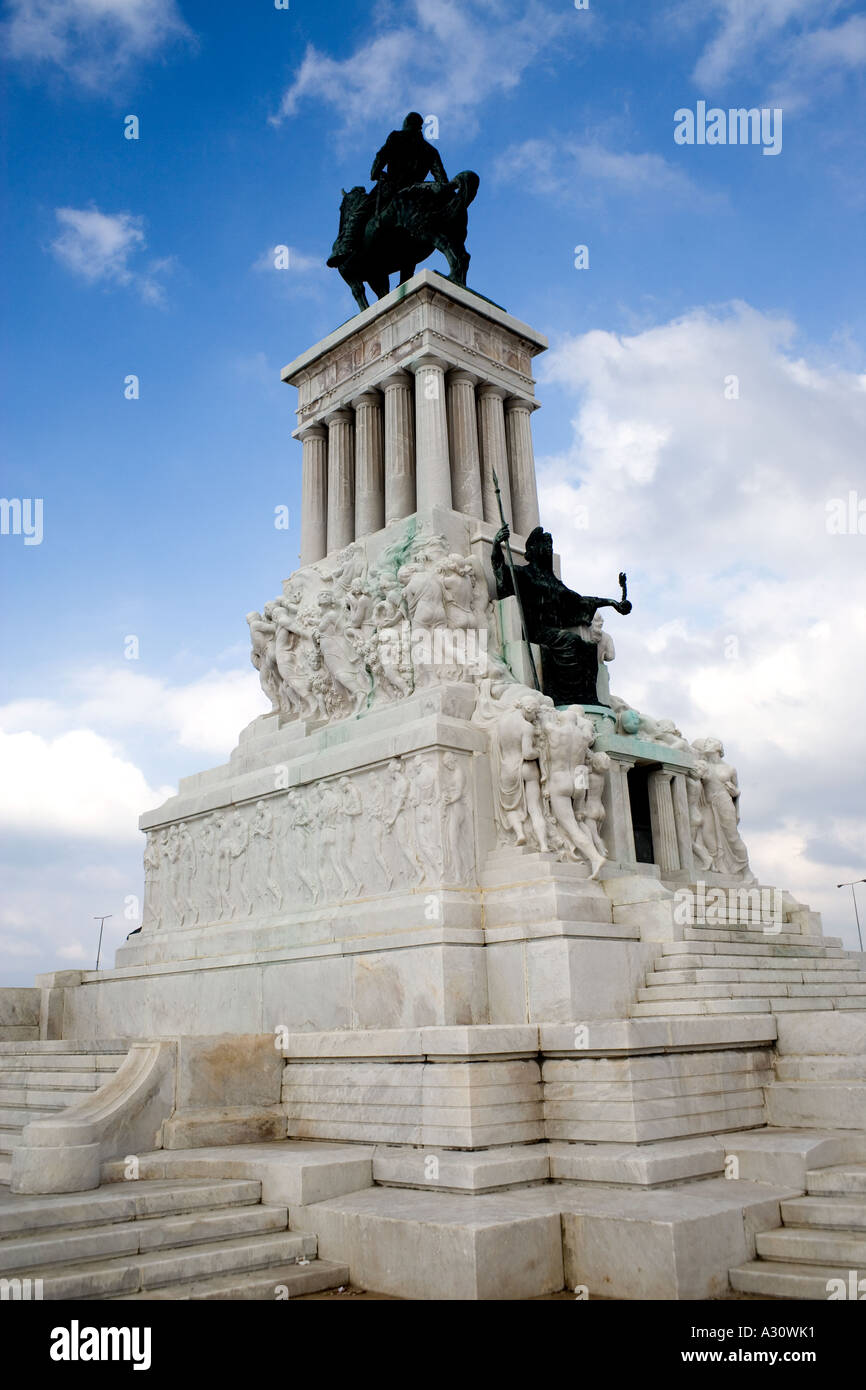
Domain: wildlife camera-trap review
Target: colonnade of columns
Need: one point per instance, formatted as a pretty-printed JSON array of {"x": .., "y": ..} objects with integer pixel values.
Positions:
[{"x": 432, "y": 436}]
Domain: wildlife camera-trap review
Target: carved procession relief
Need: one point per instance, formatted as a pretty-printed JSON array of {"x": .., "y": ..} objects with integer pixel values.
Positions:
[
  {"x": 403, "y": 825},
  {"x": 347, "y": 635}
]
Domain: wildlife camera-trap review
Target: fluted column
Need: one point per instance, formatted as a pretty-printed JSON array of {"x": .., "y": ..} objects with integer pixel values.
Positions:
[
  {"x": 494, "y": 456},
  {"x": 681, "y": 818},
  {"x": 314, "y": 494},
  {"x": 369, "y": 465},
  {"x": 463, "y": 445},
  {"x": 399, "y": 447},
  {"x": 619, "y": 835},
  {"x": 432, "y": 466},
  {"x": 521, "y": 464},
  {"x": 341, "y": 479},
  {"x": 665, "y": 848}
]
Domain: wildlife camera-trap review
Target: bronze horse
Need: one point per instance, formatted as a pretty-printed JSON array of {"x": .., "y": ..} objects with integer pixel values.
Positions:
[{"x": 415, "y": 222}]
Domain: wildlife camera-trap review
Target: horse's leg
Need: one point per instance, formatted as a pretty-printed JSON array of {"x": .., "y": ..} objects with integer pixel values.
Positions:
[
  {"x": 379, "y": 283},
  {"x": 357, "y": 288},
  {"x": 406, "y": 272},
  {"x": 458, "y": 260}
]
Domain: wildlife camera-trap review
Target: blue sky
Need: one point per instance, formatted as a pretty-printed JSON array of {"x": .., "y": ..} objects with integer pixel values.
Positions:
[{"x": 151, "y": 257}]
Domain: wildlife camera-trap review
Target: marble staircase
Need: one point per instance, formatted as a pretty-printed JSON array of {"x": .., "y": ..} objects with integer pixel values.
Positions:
[
  {"x": 39, "y": 1079},
  {"x": 822, "y": 1239},
  {"x": 747, "y": 969},
  {"x": 206, "y": 1238}
]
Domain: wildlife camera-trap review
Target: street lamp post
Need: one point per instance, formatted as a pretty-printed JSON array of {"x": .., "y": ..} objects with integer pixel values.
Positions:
[{"x": 854, "y": 896}]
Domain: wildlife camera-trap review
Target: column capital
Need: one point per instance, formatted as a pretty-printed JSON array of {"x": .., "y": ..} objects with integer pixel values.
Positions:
[
  {"x": 461, "y": 374},
  {"x": 369, "y": 396},
  {"x": 394, "y": 379},
  {"x": 314, "y": 431},
  {"x": 488, "y": 388},
  {"x": 426, "y": 361},
  {"x": 520, "y": 403},
  {"x": 342, "y": 416}
]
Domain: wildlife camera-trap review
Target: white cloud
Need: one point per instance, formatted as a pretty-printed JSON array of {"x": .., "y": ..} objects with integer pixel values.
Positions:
[
  {"x": 203, "y": 716},
  {"x": 443, "y": 58},
  {"x": 569, "y": 171},
  {"x": 99, "y": 246},
  {"x": 750, "y": 618},
  {"x": 77, "y": 784},
  {"x": 799, "y": 44},
  {"x": 94, "y": 42},
  {"x": 72, "y": 787}
]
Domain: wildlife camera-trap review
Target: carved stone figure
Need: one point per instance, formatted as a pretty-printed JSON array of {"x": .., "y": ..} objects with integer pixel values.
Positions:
[
  {"x": 398, "y": 820},
  {"x": 352, "y": 808},
  {"x": 206, "y": 876},
  {"x": 332, "y": 859},
  {"x": 567, "y": 739},
  {"x": 262, "y": 655},
  {"x": 700, "y": 816},
  {"x": 721, "y": 794},
  {"x": 264, "y": 877},
  {"x": 603, "y": 643},
  {"x": 459, "y": 834},
  {"x": 150, "y": 912},
  {"x": 374, "y": 805},
  {"x": 240, "y": 896},
  {"x": 186, "y": 866},
  {"x": 592, "y": 813},
  {"x": 299, "y": 859},
  {"x": 424, "y": 799},
  {"x": 344, "y": 663},
  {"x": 514, "y": 759}
]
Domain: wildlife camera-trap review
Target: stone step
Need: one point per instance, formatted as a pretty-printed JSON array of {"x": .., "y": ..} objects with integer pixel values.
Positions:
[
  {"x": 127, "y": 1201},
  {"x": 283, "y": 1281},
  {"x": 766, "y": 946},
  {"x": 772, "y": 1279},
  {"x": 672, "y": 1008},
  {"x": 755, "y": 974},
  {"x": 13, "y": 1117},
  {"x": 817, "y": 1104},
  {"x": 748, "y": 935},
  {"x": 821, "y": 1068},
  {"x": 48, "y": 1097},
  {"x": 750, "y": 990},
  {"x": 843, "y": 1178},
  {"x": 759, "y": 961},
  {"x": 827, "y": 1213},
  {"x": 803, "y": 1245},
  {"x": 86, "y": 1063},
  {"x": 68, "y": 1047},
  {"x": 128, "y": 1274},
  {"x": 70, "y": 1245},
  {"x": 10, "y": 1139},
  {"x": 82, "y": 1081}
]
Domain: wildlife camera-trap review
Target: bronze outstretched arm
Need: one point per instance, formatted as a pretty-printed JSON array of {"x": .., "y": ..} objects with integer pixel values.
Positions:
[{"x": 622, "y": 605}]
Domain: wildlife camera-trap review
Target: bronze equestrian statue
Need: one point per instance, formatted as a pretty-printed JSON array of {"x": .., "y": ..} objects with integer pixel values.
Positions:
[{"x": 405, "y": 218}]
